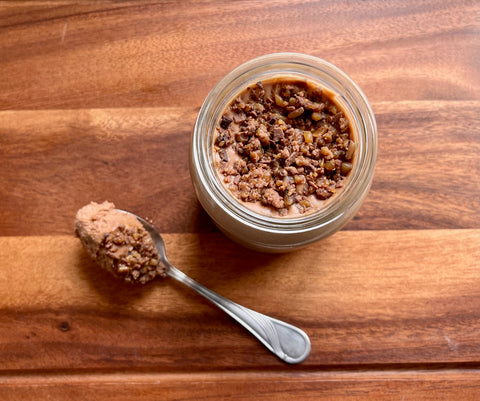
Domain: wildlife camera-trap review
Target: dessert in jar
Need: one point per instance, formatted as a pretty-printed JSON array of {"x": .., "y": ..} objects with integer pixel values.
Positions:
[
  {"x": 283, "y": 151},
  {"x": 284, "y": 147}
]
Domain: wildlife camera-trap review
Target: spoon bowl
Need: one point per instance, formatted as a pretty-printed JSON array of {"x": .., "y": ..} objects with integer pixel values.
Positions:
[{"x": 287, "y": 342}]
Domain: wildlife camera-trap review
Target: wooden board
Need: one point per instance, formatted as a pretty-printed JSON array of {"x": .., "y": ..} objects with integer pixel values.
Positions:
[
  {"x": 411, "y": 298},
  {"x": 57, "y": 163},
  {"x": 130, "y": 54},
  {"x": 98, "y": 101},
  {"x": 430, "y": 385}
]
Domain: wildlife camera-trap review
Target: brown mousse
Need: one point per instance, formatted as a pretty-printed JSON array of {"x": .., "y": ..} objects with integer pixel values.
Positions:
[
  {"x": 118, "y": 242},
  {"x": 284, "y": 146}
]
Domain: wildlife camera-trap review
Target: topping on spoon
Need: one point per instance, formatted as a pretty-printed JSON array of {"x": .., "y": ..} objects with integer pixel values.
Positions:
[{"x": 118, "y": 242}]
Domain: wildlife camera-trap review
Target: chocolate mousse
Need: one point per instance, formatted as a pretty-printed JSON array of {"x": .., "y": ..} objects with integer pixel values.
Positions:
[
  {"x": 284, "y": 147},
  {"x": 118, "y": 242}
]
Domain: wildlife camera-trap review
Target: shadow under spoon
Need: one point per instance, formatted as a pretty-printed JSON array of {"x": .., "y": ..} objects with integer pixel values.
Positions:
[{"x": 287, "y": 342}]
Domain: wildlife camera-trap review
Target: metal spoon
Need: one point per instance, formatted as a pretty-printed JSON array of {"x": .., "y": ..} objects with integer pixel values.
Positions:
[{"x": 288, "y": 342}]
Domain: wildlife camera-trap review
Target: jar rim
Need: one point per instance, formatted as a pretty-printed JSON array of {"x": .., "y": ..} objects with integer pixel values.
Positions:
[{"x": 318, "y": 71}]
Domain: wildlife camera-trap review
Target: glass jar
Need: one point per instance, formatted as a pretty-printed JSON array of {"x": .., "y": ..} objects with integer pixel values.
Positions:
[{"x": 280, "y": 234}]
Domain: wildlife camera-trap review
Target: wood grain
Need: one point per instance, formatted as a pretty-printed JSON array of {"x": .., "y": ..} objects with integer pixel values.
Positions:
[
  {"x": 130, "y": 54},
  {"x": 388, "y": 386},
  {"x": 412, "y": 298},
  {"x": 67, "y": 158}
]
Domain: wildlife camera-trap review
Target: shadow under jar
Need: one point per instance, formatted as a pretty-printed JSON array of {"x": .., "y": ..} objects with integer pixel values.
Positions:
[{"x": 257, "y": 221}]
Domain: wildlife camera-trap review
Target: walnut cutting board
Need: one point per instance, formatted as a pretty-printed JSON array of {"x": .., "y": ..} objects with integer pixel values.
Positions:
[{"x": 98, "y": 101}]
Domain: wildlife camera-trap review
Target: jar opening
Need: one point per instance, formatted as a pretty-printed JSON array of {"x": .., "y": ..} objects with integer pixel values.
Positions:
[{"x": 305, "y": 68}]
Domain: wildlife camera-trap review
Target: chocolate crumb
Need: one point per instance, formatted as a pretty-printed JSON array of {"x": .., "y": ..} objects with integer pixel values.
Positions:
[{"x": 225, "y": 122}]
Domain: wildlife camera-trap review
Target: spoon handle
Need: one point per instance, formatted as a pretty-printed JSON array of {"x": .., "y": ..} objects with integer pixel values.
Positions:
[{"x": 288, "y": 342}]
